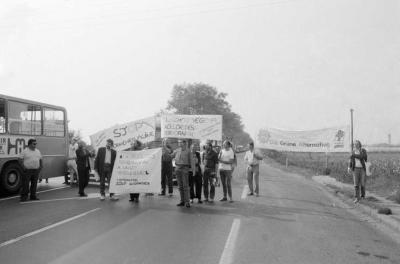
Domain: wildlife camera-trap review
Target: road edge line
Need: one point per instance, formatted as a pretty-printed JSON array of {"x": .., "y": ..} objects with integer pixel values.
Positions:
[{"x": 227, "y": 254}]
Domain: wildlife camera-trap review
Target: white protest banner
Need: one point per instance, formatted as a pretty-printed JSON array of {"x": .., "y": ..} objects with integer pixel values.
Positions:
[
  {"x": 323, "y": 140},
  {"x": 123, "y": 135},
  {"x": 137, "y": 172},
  {"x": 192, "y": 126}
]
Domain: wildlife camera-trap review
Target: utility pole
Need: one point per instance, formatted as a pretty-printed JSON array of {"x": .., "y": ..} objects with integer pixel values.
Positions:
[{"x": 351, "y": 117}]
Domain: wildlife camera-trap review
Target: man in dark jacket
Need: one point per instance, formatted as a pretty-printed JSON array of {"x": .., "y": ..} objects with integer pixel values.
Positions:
[
  {"x": 104, "y": 164},
  {"x": 83, "y": 165}
]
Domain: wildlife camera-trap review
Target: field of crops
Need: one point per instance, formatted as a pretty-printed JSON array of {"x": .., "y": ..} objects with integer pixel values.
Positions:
[{"x": 385, "y": 179}]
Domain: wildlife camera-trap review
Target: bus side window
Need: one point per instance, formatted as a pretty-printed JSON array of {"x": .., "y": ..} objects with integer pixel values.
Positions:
[{"x": 2, "y": 116}]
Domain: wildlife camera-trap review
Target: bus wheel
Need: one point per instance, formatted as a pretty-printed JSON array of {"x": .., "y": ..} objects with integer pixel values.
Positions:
[{"x": 11, "y": 178}]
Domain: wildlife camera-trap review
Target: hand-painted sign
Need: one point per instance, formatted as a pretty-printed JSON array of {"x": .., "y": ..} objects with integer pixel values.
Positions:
[
  {"x": 324, "y": 140},
  {"x": 137, "y": 172},
  {"x": 192, "y": 126},
  {"x": 123, "y": 135}
]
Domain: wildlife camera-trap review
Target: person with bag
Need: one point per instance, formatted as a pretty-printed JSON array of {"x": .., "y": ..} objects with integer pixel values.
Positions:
[{"x": 357, "y": 165}]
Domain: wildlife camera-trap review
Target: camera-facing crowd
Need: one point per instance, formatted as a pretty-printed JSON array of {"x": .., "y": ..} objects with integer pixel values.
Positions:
[{"x": 198, "y": 171}]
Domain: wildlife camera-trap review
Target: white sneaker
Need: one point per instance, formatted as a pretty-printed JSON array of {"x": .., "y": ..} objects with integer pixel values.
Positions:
[
  {"x": 114, "y": 198},
  {"x": 102, "y": 198},
  {"x": 356, "y": 200}
]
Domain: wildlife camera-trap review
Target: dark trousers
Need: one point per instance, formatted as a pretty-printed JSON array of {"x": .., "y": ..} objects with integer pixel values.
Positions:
[
  {"x": 195, "y": 183},
  {"x": 29, "y": 176},
  {"x": 166, "y": 177},
  {"x": 83, "y": 175},
  {"x": 134, "y": 196},
  {"x": 106, "y": 174},
  {"x": 209, "y": 175}
]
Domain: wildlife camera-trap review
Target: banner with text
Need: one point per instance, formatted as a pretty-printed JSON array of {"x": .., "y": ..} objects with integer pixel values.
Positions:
[
  {"x": 137, "y": 172},
  {"x": 323, "y": 140},
  {"x": 123, "y": 135},
  {"x": 192, "y": 126}
]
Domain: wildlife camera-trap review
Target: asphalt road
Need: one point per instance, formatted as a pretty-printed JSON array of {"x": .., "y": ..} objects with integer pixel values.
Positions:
[{"x": 292, "y": 221}]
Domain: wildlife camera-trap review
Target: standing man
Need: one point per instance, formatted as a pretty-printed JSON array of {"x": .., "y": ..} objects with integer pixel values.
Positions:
[
  {"x": 183, "y": 161},
  {"x": 166, "y": 169},
  {"x": 82, "y": 161},
  {"x": 210, "y": 160},
  {"x": 31, "y": 162},
  {"x": 104, "y": 164},
  {"x": 252, "y": 160}
]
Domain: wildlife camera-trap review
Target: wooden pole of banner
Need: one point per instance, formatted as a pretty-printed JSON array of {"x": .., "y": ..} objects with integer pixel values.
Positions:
[{"x": 351, "y": 118}]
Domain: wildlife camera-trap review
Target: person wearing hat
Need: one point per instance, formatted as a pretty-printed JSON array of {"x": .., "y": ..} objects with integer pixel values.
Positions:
[{"x": 103, "y": 165}]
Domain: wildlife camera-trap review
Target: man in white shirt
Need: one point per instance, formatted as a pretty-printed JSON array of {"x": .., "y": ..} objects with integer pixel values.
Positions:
[
  {"x": 252, "y": 160},
  {"x": 30, "y": 160}
]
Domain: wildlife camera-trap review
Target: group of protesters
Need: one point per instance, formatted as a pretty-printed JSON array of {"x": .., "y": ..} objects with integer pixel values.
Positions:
[{"x": 194, "y": 169}]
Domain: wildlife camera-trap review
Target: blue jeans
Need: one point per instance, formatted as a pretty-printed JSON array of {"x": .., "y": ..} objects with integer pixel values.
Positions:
[
  {"x": 182, "y": 176},
  {"x": 226, "y": 178}
]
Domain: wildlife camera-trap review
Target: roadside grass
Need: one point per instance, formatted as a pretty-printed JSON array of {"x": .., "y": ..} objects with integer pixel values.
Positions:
[{"x": 385, "y": 179}]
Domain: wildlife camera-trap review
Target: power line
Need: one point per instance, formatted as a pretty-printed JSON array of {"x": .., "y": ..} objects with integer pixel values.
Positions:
[{"x": 67, "y": 22}]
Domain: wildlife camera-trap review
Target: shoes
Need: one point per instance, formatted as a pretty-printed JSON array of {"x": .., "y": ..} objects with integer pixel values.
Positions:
[
  {"x": 187, "y": 205},
  {"x": 180, "y": 204},
  {"x": 114, "y": 198},
  {"x": 191, "y": 200},
  {"x": 250, "y": 193},
  {"x": 231, "y": 201},
  {"x": 135, "y": 200},
  {"x": 256, "y": 194},
  {"x": 200, "y": 201},
  {"x": 206, "y": 200},
  {"x": 356, "y": 200},
  {"x": 47, "y": 180},
  {"x": 223, "y": 199},
  {"x": 82, "y": 194},
  {"x": 102, "y": 197},
  {"x": 170, "y": 195},
  {"x": 161, "y": 194},
  {"x": 211, "y": 200},
  {"x": 34, "y": 198}
]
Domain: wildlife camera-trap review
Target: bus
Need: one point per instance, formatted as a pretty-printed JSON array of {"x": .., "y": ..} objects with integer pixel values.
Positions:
[{"x": 22, "y": 119}]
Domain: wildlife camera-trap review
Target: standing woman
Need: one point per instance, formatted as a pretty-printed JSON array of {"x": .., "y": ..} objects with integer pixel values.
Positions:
[
  {"x": 226, "y": 159},
  {"x": 357, "y": 166}
]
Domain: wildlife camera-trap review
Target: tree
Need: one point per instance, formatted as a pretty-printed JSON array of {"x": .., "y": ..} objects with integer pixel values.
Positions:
[{"x": 203, "y": 99}]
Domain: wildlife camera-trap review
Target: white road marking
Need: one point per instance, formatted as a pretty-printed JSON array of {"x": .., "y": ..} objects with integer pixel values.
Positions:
[
  {"x": 54, "y": 189},
  {"x": 227, "y": 254},
  {"x": 14, "y": 240},
  {"x": 90, "y": 196},
  {"x": 245, "y": 190}
]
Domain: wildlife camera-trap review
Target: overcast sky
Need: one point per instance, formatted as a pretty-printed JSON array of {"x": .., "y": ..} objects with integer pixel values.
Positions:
[{"x": 294, "y": 65}]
